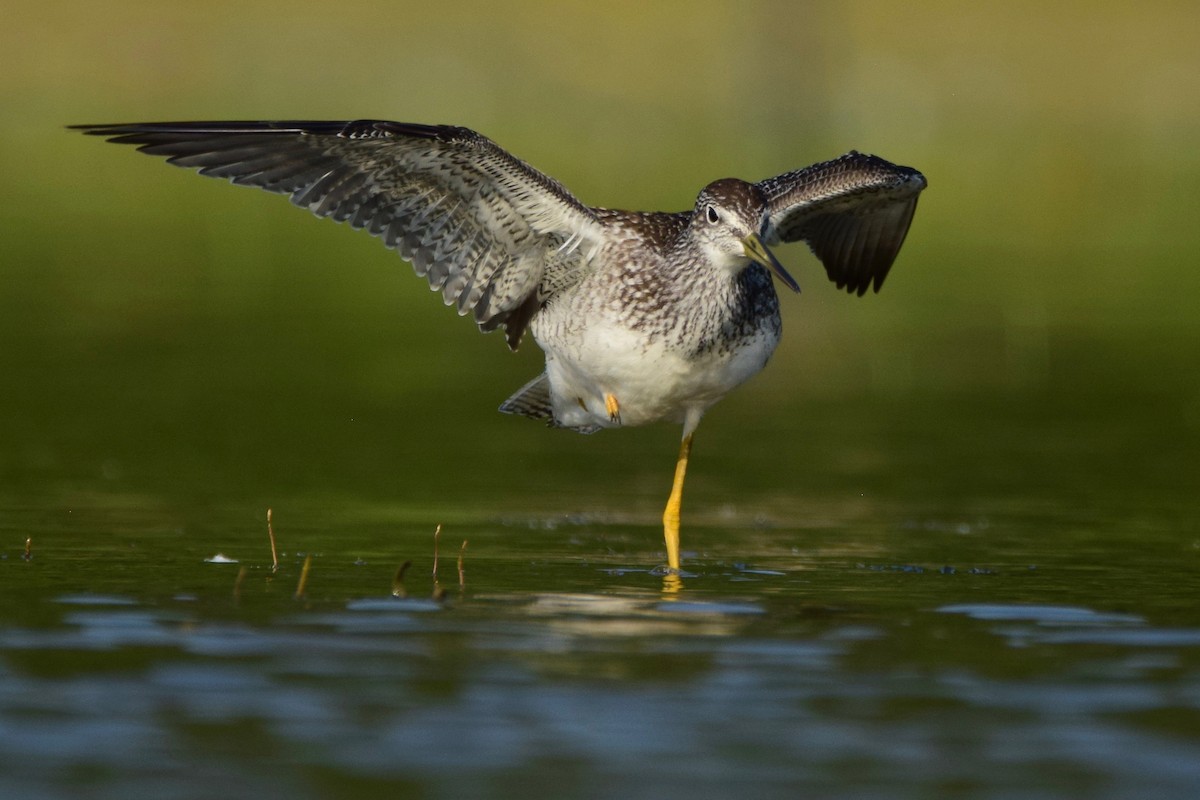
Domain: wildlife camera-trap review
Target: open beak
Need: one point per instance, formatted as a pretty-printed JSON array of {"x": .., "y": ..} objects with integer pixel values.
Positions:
[{"x": 757, "y": 252}]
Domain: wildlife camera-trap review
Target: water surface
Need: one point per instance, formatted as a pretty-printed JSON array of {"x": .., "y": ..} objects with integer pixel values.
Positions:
[{"x": 847, "y": 646}]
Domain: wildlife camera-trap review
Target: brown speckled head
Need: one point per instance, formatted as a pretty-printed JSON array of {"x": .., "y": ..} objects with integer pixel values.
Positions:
[{"x": 736, "y": 202}]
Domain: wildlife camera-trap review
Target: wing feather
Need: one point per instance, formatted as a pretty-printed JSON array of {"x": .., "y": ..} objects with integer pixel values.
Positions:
[
  {"x": 854, "y": 212},
  {"x": 480, "y": 224}
]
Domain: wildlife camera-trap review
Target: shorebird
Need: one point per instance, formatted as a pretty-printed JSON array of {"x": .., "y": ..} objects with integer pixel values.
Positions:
[{"x": 642, "y": 316}]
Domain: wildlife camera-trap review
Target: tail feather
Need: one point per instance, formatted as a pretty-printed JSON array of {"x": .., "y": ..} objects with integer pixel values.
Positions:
[{"x": 533, "y": 400}]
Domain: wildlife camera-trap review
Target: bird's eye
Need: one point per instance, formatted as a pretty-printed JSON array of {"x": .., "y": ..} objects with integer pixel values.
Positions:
[{"x": 713, "y": 216}]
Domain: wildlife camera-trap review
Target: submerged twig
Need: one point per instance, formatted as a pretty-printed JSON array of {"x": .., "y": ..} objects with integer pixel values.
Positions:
[
  {"x": 462, "y": 576},
  {"x": 237, "y": 584},
  {"x": 437, "y": 533},
  {"x": 271, "y": 536},
  {"x": 28, "y": 554},
  {"x": 303, "y": 577},
  {"x": 398, "y": 589}
]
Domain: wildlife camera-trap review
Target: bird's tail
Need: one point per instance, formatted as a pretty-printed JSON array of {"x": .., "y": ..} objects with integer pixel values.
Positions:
[{"x": 533, "y": 400}]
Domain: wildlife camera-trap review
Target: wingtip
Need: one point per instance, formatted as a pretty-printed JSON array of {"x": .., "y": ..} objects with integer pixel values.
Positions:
[{"x": 90, "y": 129}]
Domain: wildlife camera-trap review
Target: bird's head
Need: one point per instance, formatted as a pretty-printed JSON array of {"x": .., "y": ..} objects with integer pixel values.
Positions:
[{"x": 728, "y": 224}]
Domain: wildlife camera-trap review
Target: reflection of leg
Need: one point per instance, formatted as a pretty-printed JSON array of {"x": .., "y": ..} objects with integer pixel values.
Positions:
[
  {"x": 671, "y": 514},
  {"x": 612, "y": 407}
]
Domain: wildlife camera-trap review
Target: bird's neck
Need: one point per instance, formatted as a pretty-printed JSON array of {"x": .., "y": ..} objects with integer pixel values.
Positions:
[{"x": 691, "y": 261}]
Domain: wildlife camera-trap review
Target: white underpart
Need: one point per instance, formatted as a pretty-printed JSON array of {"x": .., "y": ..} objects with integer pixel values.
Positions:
[{"x": 652, "y": 382}]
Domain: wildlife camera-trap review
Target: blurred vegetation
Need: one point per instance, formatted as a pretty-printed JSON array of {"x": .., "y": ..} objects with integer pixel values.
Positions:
[{"x": 160, "y": 332}]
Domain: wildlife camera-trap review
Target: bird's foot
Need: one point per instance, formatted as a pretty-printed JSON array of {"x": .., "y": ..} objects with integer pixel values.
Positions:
[
  {"x": 672, "y": 577},
  {"x": 666, "y": 569},
  {"x": 612, "y": 407}
]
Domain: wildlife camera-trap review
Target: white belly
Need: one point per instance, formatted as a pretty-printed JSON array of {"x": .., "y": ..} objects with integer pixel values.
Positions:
[{"x": 650, "y": 381}]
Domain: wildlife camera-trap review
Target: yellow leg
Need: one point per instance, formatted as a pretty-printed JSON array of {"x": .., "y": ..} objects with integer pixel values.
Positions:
[
  {"x": 612, "y": 407},
  {"x": 671, "y": 514}
]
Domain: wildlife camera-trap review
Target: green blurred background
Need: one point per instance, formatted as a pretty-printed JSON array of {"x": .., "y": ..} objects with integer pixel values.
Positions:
[{"x": 166, "y": 339}]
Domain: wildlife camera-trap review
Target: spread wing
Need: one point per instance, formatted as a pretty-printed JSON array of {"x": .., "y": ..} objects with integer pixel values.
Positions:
[
  {"x": 854, "y": 212},
  {"x": 483, "y": 226}
]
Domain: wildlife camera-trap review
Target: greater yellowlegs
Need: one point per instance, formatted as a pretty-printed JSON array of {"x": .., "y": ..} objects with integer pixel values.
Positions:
[{"x": 643, "y": 316}]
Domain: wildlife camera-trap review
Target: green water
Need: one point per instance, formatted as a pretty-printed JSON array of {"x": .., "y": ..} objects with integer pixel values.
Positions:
[
  {"x": 946, "y": 592},
  {"x": 901, "y": 646}
]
